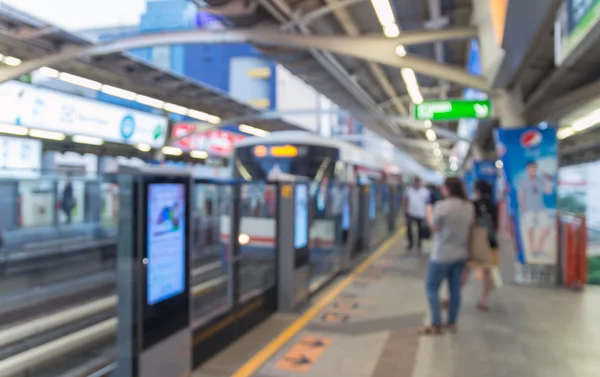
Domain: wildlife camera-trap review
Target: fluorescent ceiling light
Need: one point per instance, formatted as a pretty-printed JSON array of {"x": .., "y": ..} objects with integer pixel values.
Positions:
[
  {"x": 199, "y": 154},
  {"x": 49, "y": 72},
  {"x": 565, "y": 132},
  {"x": 499, "y": 164},
  {"x": 172, "y": 151},
  {"x": 428, "y": 124},
  {"x": 118, "y": 92},
  {"x": 437, "y": 152},
  {"x": 253, "y": 130},
  {"x": 81, "y": 81},
  {"x": 50, "y": 135},
  {"x": 12, "y": 61},
  {"x": 587, "y": 121},
  {"x": 454, "y": 167},
  {"x": 400, "y": 51},
  {"x": 214, "y": 119},
  {"x": 13, "y": 130},
  {"x": 435, "y": 144},
  {"x": 149, "y": 101},
  {"x": 412, "y": 86},
  {"x": 384, "y": 13},
  {"x": 173, "y": 108},
  {"x": 200, "y": 115},
  {"x": 143, "y": 147},
  {"x": 391, "y": 30},
  {"x": 91, "y": 140},
  {"x": 431, "y": 136}
]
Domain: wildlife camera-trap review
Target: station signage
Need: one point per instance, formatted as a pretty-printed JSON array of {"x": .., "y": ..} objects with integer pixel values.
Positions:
[
  {"x": 45, "y": 109},
  {"x": 215, "y": 142},
  {"x": 453, "y": 109}
]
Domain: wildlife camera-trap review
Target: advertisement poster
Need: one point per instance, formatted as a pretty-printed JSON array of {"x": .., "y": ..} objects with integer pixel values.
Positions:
[
  {"x": 530, "y": 166},
  {"x": 486, "y": 171},
  {"x": 301, "y": 220},
  {"x": 166, "y": 241},
  {"x": 468, "y": 180},
  {"x": 30, "y": 106},
  {"x": 372, "y": 202}
]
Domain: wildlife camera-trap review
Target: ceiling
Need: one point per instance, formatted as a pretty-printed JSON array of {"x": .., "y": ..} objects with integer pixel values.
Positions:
[
  {"x": 29, "y": 38},
  {"x": 357, "y": 85}
]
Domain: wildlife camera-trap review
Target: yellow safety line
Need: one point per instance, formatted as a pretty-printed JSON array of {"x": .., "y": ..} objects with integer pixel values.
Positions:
[{"x": 252, "y": 365}]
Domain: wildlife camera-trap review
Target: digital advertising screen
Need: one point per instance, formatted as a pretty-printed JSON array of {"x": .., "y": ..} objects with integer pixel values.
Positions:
[
  {"x": 372, "y": 203},
  {"x": 346, "y": 209},
  {"x": 301, "y": 219},
  {"x": 166, "y": 241}
]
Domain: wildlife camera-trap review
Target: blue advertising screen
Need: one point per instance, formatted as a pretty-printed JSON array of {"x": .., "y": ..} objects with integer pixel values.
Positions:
[
  {"x": 346, "y": 209},
  {"x": 372, "y": 203},
  {"x": 166, "y": 241},
  {"x": 301, "y": 219}
]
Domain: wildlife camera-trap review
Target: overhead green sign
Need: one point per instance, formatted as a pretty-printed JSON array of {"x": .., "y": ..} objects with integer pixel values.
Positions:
[{"x": 453, "y": 109}]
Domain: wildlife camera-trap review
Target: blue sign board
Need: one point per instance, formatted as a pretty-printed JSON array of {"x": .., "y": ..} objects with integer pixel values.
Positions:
[
  {"x": 529, "y": 156},
  {"x": 486, "y": 171}
]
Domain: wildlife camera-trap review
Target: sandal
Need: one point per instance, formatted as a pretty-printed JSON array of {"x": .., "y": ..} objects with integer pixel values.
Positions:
[{"x": 431, "y": 330}]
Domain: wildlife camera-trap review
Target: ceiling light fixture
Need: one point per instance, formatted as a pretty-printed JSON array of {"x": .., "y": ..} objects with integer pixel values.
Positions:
[
  {"x": 173, "y": 108},
  {"x": 80, "y": 81},
  {"x": 118, "y": 92},
  {"x": 149, "y": 101},
  {"x": 172, "y": 151},
  {"x": 431, "y": 136},
  {"x": 13, "y": 130},
  {"x": 199, "y": 154},
  {"x": 50, "y": 135},
  {"x": 143, "y": 147},
  {"x": 565, "y": 132},
  {"x": 253, "y": 130},
  {"x": 90, "y": 140},
  {"x": 11, "y": 60}
]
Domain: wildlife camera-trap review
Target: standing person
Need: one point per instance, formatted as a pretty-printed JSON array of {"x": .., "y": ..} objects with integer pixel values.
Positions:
[
  {"x": 531, "y": 200},
  {"x": 485, "y": 207},
  {"x": 68, "y": 200},
  {"x": 416, "y": 199},
  {"x": 451, "y": 220}
]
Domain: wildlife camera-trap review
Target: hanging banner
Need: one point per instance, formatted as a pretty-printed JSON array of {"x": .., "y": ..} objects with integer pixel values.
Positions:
[
  {"x": 215, "y": 142},
  {"x": 530, "y": 166},
  {"x": 486, "y": 171}
]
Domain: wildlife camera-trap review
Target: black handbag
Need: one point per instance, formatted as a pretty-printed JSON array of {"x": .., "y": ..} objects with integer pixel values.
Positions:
[{"x": 425, "y": 232}]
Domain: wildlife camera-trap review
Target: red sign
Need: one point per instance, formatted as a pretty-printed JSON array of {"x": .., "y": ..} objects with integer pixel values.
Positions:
[{"x": 213, "y": 141}]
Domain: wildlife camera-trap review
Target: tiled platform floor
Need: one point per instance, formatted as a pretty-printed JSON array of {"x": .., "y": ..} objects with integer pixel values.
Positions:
[{"x": 530, "y": 332}]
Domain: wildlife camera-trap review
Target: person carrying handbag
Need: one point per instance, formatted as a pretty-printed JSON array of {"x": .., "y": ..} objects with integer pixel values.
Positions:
[{"x": 487, "y": 219}]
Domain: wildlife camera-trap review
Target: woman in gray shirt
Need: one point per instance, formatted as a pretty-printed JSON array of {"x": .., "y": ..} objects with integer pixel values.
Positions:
[{"x": 451, "y": 221}]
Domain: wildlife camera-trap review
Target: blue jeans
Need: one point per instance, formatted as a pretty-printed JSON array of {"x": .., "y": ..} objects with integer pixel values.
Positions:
[{"x": 437, "y": 272}]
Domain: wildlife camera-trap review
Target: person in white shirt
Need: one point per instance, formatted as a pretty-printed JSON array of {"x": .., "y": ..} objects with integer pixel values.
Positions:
[{"x": 416, "y": 199}]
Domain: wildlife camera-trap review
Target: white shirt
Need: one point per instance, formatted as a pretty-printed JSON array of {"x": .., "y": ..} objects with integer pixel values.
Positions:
[{"x": 417, "y": 201}]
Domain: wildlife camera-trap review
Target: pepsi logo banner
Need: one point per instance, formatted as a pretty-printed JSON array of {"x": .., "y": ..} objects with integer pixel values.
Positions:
[{"x": 530, "y": 167}]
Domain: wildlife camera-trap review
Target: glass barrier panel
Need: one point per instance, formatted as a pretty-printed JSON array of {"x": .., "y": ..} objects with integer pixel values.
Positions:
[
  {"x": 325, "y": 233},
  {"x": 211, "y": 282},
  {"x": 257, "y": 239},
  {"x": 56, "y": 264}
]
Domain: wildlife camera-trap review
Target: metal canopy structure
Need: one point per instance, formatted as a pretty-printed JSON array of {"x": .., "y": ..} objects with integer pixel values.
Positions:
[
  {"x": 353, "y": 83},
  {"x": 31, "y": 39},
  {"x": 336, "y": 46}
]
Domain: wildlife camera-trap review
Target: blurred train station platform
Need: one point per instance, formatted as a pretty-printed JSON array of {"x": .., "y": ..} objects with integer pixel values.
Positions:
[{"x": 366, "y": 326}]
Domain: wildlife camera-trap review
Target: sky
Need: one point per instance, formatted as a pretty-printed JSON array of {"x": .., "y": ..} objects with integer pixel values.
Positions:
[{"x": 82, "y": 14}]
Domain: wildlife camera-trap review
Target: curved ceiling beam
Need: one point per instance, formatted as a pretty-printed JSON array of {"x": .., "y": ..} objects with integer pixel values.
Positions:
[{"x": 370, "y": 48}]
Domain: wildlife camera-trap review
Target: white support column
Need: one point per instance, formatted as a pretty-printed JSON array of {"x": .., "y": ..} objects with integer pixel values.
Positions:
[{"x": 510, "y": 108}]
